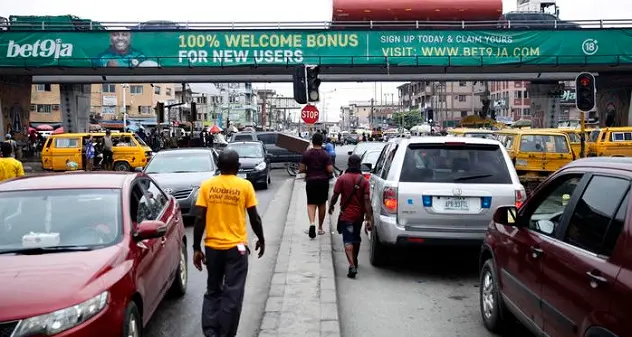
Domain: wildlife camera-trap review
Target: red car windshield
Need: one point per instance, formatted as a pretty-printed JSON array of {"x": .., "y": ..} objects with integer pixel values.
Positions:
[{"x": 59, "y": 218}]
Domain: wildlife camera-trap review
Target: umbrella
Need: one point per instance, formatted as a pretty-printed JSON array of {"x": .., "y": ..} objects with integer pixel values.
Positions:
[
  {"x": 215, "y": 129},
  {"x": 31, "y": 129},
  {"x": 44, "y": 127},
  {"x": 58, "y": 131}
]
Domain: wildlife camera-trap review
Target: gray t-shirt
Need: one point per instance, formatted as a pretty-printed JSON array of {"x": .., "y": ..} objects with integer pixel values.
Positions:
[{"x": 107, "y": 143}]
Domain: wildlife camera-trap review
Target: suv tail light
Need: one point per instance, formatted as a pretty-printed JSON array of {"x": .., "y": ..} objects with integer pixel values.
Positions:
[
  {"x": 367, "y": 176},
  {"x": 389, "y": 199},
  {"x": 521, "y": 196}
]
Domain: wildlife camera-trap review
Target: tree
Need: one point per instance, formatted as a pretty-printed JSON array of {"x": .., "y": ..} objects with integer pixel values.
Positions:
[{"x": 411, "y": 118}]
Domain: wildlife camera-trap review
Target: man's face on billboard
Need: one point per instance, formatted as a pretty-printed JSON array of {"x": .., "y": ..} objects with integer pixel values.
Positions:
[{"x": 120, "y": 41}]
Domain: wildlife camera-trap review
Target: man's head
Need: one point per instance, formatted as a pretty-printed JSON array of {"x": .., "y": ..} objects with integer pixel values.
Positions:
[
  {"x": 8, "y": 136},
  {"x": 317, "y": 139},
  {"x": 108, "y": 132},
  {"x": 6, "y": 149},
  {"x": 228, "y": 162},
  {"x": 354, "y": 161}
]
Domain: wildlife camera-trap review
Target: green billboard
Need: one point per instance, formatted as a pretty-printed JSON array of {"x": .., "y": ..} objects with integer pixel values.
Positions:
[{"x": 281, "y": 47}]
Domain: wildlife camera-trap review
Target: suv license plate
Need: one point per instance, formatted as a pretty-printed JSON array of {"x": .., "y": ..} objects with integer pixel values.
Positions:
[{"x": 456, "y": 204}]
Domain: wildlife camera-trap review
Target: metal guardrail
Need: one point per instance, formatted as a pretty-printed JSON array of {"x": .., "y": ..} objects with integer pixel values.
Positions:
[{"x": 82, "y": 25}]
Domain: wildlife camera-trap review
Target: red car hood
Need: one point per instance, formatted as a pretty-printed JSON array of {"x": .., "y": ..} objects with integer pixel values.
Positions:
[{"x": 37, "y": 284}]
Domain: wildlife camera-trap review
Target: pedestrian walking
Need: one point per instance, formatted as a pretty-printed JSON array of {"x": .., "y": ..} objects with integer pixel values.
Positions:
[
  {"x": 9, "y": 166},
  {"x": 318, "y": 168},
  {"x": 355, "y": 207},
  {"x": 90, "y": 152},
  {"x": 331, "y": 149},
  {"x": 222, "y": 204},
  {"x": 108, "y": 152}
]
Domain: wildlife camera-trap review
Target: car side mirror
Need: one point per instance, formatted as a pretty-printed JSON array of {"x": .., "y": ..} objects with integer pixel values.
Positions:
[
  {"x": 350, "y": 152},
  {"x": 366, "y": 167},
  {"x": 506, "y": 216},
  {"x": 150, "y": 229},
  {"x": 139, "y": 169}
]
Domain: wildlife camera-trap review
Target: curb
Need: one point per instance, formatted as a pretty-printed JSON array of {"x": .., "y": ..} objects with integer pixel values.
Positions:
[{"x": 302, "y": 300}]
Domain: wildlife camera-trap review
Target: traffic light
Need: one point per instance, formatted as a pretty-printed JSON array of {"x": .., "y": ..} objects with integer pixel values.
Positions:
[
  {"x": 193, "y": 116},
  {"x": 300, "y": 85},
  {"x": 313, "y": 83},
  {"x": 160, "y": 112},
  {"x": 585, "y": 92}
]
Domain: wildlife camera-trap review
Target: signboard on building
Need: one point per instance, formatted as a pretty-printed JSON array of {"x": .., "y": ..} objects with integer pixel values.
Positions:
[
  {"x": 568, "y": 97},
  {"x": 109, "y": 101}
]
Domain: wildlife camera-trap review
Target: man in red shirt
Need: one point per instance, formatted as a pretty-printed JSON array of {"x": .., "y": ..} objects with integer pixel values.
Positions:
[{"x": 355, "y": 207}]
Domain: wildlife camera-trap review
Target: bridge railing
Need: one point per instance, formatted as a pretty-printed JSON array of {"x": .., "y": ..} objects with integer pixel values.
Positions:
[{"x": 350, "y": 25}]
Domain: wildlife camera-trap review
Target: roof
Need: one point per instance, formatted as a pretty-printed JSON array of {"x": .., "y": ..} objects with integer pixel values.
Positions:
[
  {"x": 617, "y": 163},
  {"x": 448, "y": 139},
  {"x": 70, "y": 180},
  {"x": 184, "y": 151},
  {"x": 258, "y": 142}
]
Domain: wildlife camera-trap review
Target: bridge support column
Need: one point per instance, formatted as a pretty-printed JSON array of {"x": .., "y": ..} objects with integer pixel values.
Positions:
[
  {"x": 75, "y": 107},
  {"x": 614, "y": 94},
  {"x": 545, "y": 104},
  {"x": 15, "y": 105}
]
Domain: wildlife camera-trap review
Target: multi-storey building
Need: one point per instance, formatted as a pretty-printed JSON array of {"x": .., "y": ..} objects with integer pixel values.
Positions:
[
  {"x": 510, "y": 99},
  {"x": 276, "y": 111},
  {"x": 369, "y": 114},
  {"x": 238, "y": 104},
  {"x": 108, "y": 101}
]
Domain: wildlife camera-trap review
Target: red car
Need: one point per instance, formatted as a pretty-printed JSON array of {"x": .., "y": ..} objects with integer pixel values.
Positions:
[
  {"x": 87, "y": 254},
  {"x": 562, "y": 262}
]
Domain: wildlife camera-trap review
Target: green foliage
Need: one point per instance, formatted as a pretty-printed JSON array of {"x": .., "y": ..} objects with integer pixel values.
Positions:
[{"x": 410, "y": 117}]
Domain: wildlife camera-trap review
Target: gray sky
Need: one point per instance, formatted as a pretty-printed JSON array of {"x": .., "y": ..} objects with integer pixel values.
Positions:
[{"x": 271, "y": 11}]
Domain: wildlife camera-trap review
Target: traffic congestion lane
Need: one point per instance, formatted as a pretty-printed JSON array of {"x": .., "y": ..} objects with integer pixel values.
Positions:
[
  {"x": 427, "y": 292},
  {"x": 181, "y": 317}
]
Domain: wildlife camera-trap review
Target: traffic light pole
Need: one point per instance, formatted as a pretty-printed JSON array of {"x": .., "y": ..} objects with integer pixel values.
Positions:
[
  {"x": 582, "y": 136},
  {"x": 306, "y": 95}
]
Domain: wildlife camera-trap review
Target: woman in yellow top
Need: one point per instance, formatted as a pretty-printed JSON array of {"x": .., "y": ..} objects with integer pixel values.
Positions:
[{"x": 9, "y": 166}]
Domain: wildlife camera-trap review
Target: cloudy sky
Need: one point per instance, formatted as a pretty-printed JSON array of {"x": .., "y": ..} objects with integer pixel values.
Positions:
[{"x": 335, "y": 94}]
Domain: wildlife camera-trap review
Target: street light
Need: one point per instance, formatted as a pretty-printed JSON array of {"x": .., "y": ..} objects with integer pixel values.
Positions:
[{"x": 124, "y": 86}]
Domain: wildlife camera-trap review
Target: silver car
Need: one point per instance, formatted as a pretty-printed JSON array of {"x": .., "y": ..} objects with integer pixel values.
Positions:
[
  {"x": 180, "y": 172},
  {"x": 438, "y": 190}
]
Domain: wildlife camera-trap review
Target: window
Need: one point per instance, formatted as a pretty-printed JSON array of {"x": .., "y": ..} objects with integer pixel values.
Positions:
[
  {"x": 136, "y": 89},
  {"x": 108, "y": 110},
  {"x": 526, "y": 112},
  {"x": 462, "y": 164},
  {"x": 144, "y": 109},
  {"x": 200, "y": 100},
  {"x": 42, "y": 87},
  {"x": 596, "y": 212},
  {"x": 268, "y": 138},
  {"x": 380, "y": 161},
  {"x": 170, "y": 162},
  {"x": 544, "y": 143},
  {"x": 517, "y": 94},
  {"x": 108, "y": 88},
  {"x": 66, "y": 143},
  {"x": 156, "y": 90},
  {"x": 462, "y": 98},
  {"x": 157, "y": 198},
  {"x": 43, "y": 108},
  {"x": 621, "y": 136},
  {"x": 388, "y": 162},
  {"x": 241, "y": 138},
  {"x": 168, "y": 91},
  {"x": 546, "y": 217},
  {"x": 247, "y": 150},
  {"x": 462, "y": 83}
]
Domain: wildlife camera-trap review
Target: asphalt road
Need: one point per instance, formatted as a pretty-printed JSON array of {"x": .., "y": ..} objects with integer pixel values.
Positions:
[
  {"x": 181, "y": 317},
  {"x": 430, "y": 292}
]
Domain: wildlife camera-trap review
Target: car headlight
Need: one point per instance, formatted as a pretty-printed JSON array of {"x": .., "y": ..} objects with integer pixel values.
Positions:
[
  {"x": 261, "y": 166},
  {"x": 195, "y": 194},
  {"x": 62, "y": 320}
]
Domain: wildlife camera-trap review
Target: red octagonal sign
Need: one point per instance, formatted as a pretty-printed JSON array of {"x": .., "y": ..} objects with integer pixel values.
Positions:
[{"x": 310, "y": 114}]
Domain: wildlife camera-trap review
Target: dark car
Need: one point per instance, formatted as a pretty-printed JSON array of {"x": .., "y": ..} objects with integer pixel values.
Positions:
[
  {"x": 179, "y": 172},
  {"x": 350, "y": 138},
  {"x": 87, "y": 254},
  {"x": 561, "y": 263},
  {"x": 254, "y": 162},
  {"x": 534, "y": 20},
  {"x": 269, "y": 140}
]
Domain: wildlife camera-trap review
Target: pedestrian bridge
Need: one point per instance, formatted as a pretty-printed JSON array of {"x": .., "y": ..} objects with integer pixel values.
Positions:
[{"x": 375, "y": 51}]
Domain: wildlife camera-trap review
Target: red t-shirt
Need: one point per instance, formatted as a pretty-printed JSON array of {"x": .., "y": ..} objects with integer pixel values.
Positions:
[{"x": 354, "y": 210}]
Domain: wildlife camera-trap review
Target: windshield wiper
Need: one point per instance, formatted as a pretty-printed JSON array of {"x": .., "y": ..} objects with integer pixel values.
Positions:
[
  {"x": 474, "y": 176},
  {"x": 46, "y": 250}
]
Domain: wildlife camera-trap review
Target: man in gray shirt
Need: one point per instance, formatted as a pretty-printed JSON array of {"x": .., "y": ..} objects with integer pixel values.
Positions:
[{"x": 108, "y": 154}]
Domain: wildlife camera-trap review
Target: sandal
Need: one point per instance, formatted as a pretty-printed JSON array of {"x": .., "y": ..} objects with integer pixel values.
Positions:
[{"x": 321, "y": 232}]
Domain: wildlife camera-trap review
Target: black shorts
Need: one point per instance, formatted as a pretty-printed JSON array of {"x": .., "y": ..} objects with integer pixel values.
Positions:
[{"x": 317, "y": 191}]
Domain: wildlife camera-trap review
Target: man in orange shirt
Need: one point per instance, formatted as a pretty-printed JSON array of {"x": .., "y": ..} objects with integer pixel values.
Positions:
[
  {"x": 222, "y": 204},
  {"x": 9, "y": 166}
]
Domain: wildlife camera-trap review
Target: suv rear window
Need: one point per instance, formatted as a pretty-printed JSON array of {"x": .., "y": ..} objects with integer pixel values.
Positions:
[
  {"x": 544, "y": 143},
  {"x": 462, "y": 164},
  {"x": 241, "y": 138}
]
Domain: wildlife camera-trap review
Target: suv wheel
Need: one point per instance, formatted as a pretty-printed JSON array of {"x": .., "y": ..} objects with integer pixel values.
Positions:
[
  {"x": 493, "y": 310},
  {"x": 379, "y": 253}
]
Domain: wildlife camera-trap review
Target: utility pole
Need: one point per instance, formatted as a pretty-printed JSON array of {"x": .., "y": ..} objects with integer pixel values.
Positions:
[{"x": 372, "y": 112}]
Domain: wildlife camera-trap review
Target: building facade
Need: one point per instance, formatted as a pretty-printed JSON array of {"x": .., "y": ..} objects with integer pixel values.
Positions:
[
  {"x": 238, "y": 105},
  {"x": 276, "y": 112},
  {"x": 108, "y": 101},
  {"x": 367, "y": 114}
]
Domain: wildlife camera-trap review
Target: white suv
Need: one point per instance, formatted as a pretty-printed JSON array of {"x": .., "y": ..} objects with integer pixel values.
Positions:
[{"x": 438, "y": 190}]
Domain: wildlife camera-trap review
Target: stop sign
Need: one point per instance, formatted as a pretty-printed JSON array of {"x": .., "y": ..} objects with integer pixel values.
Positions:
[{"x": 310, "y": 114}]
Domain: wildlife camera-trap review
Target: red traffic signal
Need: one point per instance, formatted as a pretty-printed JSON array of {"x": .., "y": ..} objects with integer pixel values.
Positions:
[{"x": 585, "y": 92}]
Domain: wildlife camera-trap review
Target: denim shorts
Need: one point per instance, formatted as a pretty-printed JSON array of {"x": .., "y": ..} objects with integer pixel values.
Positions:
[{"x": 351, "y": 232}]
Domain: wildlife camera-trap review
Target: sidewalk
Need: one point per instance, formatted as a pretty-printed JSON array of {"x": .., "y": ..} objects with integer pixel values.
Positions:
[{"x": 302, "y": 299}]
